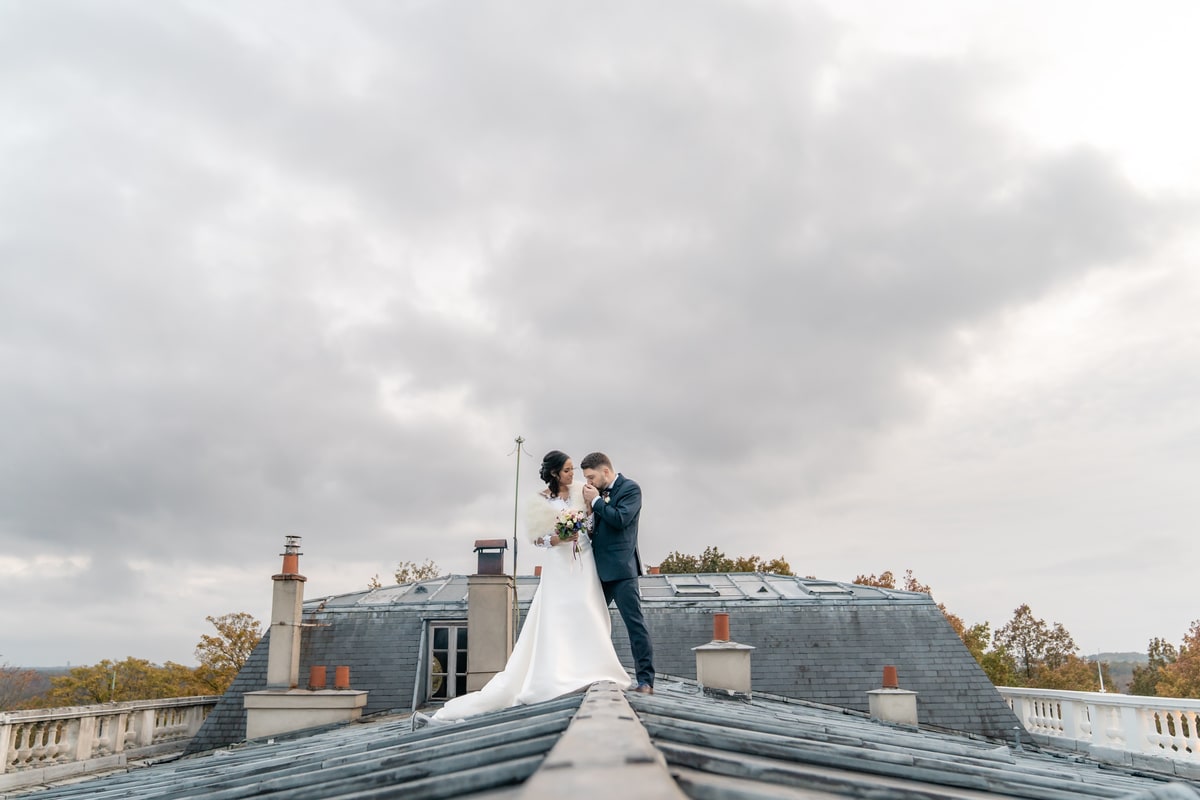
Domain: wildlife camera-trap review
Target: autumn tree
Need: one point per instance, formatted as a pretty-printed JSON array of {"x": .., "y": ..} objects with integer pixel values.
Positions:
[
  {"x": 17, "y": 685},
  {"x": 714, "y": 560},
  {"x": 411, "y": 571},
  {"x": 1045, "y": 656},
  {"x": 1075, "y": 674},
  {"x": 222, "y": 656},
  {"x": 776, "y": 566},
  {"x": 1181, "y": 677},
  {"x": 110, "y": 682},
  {"x": 887, "y": 580},
  {"x": 1160, "y": 654}
]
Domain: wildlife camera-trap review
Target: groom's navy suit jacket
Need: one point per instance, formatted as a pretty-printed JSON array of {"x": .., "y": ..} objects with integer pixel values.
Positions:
[{"x": 615, "y": 534}]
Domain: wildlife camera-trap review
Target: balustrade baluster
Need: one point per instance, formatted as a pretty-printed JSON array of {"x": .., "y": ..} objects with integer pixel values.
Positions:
[
  {"x": 22, "y": 747},
  {"x": 40, "y": 745}
]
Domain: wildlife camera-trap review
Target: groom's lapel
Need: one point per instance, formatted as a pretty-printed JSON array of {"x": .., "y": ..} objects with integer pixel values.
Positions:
[{"x": 612, "y": 488}]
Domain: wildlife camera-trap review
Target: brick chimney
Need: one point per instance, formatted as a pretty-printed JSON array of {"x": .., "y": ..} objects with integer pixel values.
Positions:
[
  {"x": 491, "y": 600},
  {"x": 891, "y": 703},
  {"x": 723, "y": 666},
  {"x": 283, "y": 654}
]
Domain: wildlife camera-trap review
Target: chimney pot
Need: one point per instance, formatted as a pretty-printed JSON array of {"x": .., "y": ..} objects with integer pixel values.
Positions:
[
  {"x": 654, "y": 570},
  {"x": 891, "y": 703},
  {"x": 291, "y": 555},
  {"x": 491, "y": 556},
  {"x": 316, "y": 678},
  {"x": 720, "y": 627},
  {"x": 537, "y": 571},
  {"x": 341, "y": 677},
  {"x": 722, "y": 665}
]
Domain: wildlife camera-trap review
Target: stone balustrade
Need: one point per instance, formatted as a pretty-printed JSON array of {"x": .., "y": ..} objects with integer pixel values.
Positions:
[
  {"x": 1107, "y": 724},
  {"x": 46, "y": 744}
]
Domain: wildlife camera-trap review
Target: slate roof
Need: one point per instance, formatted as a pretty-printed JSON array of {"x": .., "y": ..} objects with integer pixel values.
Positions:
[
  {"x": 773, "y": 748},
  {"x": 816, "y": 640},
  {"x": 676, "y": 743}
]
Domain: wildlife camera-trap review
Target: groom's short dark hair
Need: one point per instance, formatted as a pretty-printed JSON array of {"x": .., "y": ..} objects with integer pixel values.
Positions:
[{"x": 595, "y": 461}]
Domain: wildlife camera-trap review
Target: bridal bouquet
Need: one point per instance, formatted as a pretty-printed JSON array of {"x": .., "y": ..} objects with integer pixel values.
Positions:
[{"x": 571, "y": 521}]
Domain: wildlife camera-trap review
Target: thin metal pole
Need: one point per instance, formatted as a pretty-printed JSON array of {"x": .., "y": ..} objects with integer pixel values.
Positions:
[
  {"x": 520, "y": 440},
  {"x": 516, "y": 609}
]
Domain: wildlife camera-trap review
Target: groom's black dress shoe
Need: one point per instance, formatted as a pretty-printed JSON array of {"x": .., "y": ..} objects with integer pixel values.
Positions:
[{"x": 644, "y": 688}]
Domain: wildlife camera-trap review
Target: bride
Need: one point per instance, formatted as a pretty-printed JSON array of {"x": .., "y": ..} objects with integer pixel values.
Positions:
[{"x": 565, "y": 643}]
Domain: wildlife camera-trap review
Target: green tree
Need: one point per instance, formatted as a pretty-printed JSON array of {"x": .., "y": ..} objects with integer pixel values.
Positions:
[
  {"x": 411, "y": 571},
  {"x": 714, "y": 560},
  {"x": 678, "y": 563},
  {"x": 222, "y": 656},
  {"x": 999, "y": 665},
  {"x": 1161, "y": 654}
]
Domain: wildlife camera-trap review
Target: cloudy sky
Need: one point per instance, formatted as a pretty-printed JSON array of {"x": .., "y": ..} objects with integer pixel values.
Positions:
[{"x": 864, "y": 284}]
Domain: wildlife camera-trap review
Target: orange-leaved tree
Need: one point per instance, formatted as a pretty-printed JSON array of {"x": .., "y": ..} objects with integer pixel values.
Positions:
[
  {"x": 222, "y": 656},
  {"x": 17, "y": 687},
  {"x": 1181, "y": 677},
  {"x": 115, "y": 681}
]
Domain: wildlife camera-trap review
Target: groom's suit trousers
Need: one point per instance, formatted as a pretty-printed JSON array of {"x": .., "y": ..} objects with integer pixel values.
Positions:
[{"x": 629, "y": 604}]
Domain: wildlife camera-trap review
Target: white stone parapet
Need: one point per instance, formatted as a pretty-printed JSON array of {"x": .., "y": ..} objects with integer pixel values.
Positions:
[
  {"x": 1106, "y": 724},
  {"x": 40, "y": 745}
]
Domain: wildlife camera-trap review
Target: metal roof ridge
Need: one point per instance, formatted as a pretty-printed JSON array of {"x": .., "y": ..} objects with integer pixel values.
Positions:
[{"x": 576, "y": 764}]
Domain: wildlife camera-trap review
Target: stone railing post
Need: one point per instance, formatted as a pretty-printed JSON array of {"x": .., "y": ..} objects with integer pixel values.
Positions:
[
  {"x": 195, "y": 718},
  {"x": 5, "y": 740},
  {"x": 1070, "y": 719},
  {"x": 1131, "y": 729},
  {"x": 85, "y": 743},
  {"x": 145, "y": 727},
  {"x": 122, "y": 732}
]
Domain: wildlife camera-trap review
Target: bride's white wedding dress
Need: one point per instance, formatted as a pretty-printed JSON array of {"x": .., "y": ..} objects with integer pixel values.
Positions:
[{"x": 565, "y": 643}]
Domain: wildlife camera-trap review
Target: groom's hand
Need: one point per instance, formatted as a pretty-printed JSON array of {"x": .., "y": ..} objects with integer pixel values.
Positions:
[{"x": 590, "y": 493}]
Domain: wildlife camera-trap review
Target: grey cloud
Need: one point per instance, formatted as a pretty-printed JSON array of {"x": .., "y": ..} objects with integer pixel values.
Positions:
[{"x": 683, "y": 257}]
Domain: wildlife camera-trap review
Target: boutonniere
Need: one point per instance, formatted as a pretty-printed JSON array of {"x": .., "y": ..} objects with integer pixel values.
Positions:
[{"x": 606, "y": 498}]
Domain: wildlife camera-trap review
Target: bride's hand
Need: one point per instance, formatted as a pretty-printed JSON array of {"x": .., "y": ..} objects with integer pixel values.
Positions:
[{"x": 558, "y": 540}]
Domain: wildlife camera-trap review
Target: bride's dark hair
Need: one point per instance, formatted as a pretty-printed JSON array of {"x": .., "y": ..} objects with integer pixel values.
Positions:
[{"x": 552, "y": 464}]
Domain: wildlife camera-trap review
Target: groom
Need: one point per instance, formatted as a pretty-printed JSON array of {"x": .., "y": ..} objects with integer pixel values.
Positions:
[{"x": 616, "y": 503}]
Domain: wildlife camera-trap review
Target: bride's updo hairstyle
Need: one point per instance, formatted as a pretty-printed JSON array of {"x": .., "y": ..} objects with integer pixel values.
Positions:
[{"x": 552, "y": 464}]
